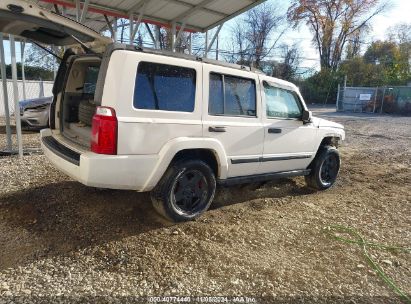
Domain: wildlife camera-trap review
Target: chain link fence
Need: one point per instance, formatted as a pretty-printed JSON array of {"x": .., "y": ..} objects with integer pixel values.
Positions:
[
  {"x": 34, "y": 89},
  {"x": 390, "y": 100}
]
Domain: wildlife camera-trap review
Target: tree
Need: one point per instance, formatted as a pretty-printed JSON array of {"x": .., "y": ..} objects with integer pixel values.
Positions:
[
  {"x": 355, "y": 42},
  {"x": 400, "y": 33},
  {"x": 30, "y": 72},
  {"x": 333, "y": 23},
  {"x": 238, "y": 45},
  {"x": 286, "y": 69},
  {"x": 37, "y": 57},
  {"x": 394, "y": 62},
  {"x": 182, "y": 44},
  {"x": 383, "y": 63},
  {"x": 362, "y": 73},
  {"x": 321, "y": 87},
  {"x": 252, "y": 38}
]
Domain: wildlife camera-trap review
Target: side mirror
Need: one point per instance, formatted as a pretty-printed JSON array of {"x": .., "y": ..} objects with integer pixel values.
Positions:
[{"x": 307, "y": 116}]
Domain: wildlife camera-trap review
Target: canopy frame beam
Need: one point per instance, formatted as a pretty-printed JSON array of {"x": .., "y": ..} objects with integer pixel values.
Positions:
[
  {"x": 208, "y": 46},
  {"x": 150, "y": 33},
  {"x": 84, "y": 11},
  {"x": 141, "y": 7}
]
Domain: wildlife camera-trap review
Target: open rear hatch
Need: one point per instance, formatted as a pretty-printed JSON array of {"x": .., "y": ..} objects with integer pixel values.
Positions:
[
  {"x": 28, "y": 20},
  {"x": 73, "y": 104}
]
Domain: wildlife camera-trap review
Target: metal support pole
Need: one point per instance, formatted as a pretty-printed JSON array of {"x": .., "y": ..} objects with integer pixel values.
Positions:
[
  {"x": 78, "y": 10},
  {"x": 375, "y": 99},
  {"x": 54, "y": 48},
  {"x": 115, "y": 30},
  {"x": 16, "y": 94},
  {"x": 206, "y": 45},
  {"x": 84, "y": 11},
  {"x": 338, "y": 98},
  {"x": 382, "y": 101},
  {"x": 141, "y": 7},
  {"x": 216, "y": 49},
  {"x": 41, "y": 88},
  {"x": 343, "y": 97},
  {"x": 214, "y": 38},
  {"x": 173, "y": 37},
  {"x": 136, "y": 26},
  {"x": 180, "y": 31},
  {"x": 131, "y": 27},
  {"x": 5, "y": 94},
  {"x": 190, "y": 46},
  {"x": 110, "y": 27},
  {"x": 157, "y": 36},
  {"x": 23, "y": 60},
  {"x": 150, "y": 33}
]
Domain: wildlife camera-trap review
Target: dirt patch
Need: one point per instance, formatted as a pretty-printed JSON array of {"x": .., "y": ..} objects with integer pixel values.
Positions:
[{"x": 62, "y": 240}]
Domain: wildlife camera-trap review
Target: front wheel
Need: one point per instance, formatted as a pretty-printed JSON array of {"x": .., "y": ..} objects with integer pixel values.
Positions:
[
  {"x": 324, "y": 169},
  {"x": 185, "y": 191}
]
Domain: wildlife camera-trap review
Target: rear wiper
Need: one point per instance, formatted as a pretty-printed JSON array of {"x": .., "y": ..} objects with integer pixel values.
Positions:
[
  {"x": 85, "y": 47},
  {"x": 47, "y": 50}
]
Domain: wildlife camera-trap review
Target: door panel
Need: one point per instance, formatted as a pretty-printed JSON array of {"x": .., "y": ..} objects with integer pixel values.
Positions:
[
  {"x": 289, "y": 148},
  {"x": 242, "y": 136},
  {"x": 289, "y": 144}
]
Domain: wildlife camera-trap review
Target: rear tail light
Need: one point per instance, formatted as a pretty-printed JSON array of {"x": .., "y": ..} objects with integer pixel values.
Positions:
[{"x": 104, "y": 131}]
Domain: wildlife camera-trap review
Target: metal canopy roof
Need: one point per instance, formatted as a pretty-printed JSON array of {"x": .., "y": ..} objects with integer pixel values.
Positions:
[{"x": 191, "y": 15}]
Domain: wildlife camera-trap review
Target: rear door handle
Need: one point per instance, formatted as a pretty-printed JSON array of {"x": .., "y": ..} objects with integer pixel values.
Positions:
[
  {"x": 274, "y": 130},
  {"x": 217, "y": 129}
]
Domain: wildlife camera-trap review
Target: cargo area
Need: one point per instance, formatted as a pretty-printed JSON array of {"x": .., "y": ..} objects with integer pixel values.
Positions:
[{"x": 77, "y": 105}]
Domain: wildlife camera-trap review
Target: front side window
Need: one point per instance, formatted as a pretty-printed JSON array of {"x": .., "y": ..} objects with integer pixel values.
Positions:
[
  {"x": 164, "y": 87},
  {"x": 281, "y": 103},
  {"x": 231, "y": 96}
]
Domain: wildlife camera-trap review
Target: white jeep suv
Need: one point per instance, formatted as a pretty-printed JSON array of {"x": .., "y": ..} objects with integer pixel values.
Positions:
[{"x": 175, "y": 125}]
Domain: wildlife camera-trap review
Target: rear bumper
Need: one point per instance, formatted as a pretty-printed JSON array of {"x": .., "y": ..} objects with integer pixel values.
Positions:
[{"x": 104, "y": 171}]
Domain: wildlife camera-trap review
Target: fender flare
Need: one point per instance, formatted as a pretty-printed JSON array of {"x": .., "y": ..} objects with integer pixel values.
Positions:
[
  {"x": 172, "y": 147},
  {"x": 325, "y": 135}
]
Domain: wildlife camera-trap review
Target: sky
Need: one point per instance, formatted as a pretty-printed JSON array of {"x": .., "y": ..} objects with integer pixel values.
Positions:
[{"x": 399, "y": 11}]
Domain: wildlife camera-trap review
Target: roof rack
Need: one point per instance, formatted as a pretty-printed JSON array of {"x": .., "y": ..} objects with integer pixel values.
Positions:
[{"x": 186, "y": 56}]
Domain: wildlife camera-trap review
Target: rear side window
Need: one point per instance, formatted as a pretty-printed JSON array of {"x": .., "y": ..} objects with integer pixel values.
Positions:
[
  {"x": 231, "y": 96},
  {"x": 164, "y": 87}
]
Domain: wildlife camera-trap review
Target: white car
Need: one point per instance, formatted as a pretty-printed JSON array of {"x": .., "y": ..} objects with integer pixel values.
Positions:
[{"x": 144, "y": 120}]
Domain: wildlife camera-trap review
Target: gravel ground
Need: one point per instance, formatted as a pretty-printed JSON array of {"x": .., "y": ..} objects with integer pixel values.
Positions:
[{"x": 62, "y": 241}]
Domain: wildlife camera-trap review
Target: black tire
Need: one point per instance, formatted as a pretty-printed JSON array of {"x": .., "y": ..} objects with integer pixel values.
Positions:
[
  {"x": 185, "y": 191},
  {"x": 86, "y": 112},
  {"x": 324, "y": 168}
]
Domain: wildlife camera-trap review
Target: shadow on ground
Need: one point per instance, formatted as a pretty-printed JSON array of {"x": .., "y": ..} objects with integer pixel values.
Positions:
[
  {"x": 25, "y": 130},
  {"x": 62, "y": 217}
]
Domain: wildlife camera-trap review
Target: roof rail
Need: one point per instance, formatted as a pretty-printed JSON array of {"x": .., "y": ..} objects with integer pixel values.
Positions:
[{"x": 186, "y": 56}]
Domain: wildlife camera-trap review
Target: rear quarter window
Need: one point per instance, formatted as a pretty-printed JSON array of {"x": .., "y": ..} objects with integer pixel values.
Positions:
[{"x": 164, "y": 87}]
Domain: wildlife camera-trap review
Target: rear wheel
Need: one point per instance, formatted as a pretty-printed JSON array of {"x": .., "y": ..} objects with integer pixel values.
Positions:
[
  {"x": 324, "y": 169},
  {"x": 185, "y": 191}
]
